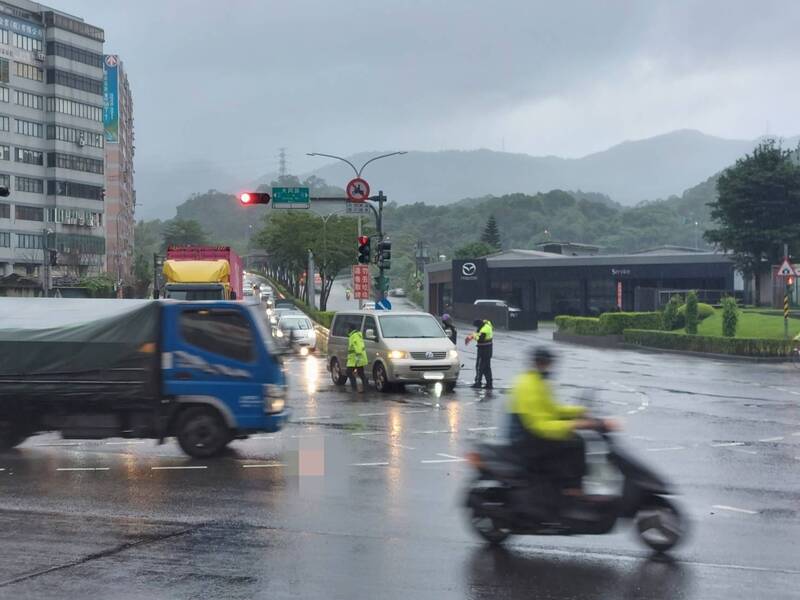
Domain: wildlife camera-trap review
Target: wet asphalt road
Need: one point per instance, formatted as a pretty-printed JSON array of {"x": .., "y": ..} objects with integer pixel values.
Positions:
[{"x": 359, "y": 497}]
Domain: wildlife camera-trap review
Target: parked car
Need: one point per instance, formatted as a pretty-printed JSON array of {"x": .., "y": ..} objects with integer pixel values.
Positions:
[
  {"x": 402, "y": 347},
  {"x": 297, "y": 330},
  {"x": 398, "y": 293},
  {"x": 280, "y": 311},
  {"x": 498, "y": 303}
]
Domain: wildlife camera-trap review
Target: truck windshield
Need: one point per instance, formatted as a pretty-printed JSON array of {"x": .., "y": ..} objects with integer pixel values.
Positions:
[{"x": 410, "y": 326}]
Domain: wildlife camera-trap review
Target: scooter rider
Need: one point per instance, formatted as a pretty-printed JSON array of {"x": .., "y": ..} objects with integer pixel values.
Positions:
[{"x": 543, "y": 432}]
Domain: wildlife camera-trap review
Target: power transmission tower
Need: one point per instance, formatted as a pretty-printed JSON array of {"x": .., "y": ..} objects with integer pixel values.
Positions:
[{"x": 283, "y": 167}]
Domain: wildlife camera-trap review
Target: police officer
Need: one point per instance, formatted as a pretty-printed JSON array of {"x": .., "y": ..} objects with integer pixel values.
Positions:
[
  {"x": 356, "y": 359},
  {"x": 484, "y": 332}
]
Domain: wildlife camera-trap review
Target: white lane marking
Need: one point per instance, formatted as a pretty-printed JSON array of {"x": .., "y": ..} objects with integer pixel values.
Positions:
[
  {"x": 796, "y": 433},
  {"x": 743, "y": 451},
  {"x": 362, "y": 433},
  {"x": 448, "y": 458},
  {"x": 82, "y": 469},
  {"x": 734, "y": 509},
  {"x": 371, "y": 464},
  {"x": 314, "y": 418},
  {"x": 263, "y": 466},
  {"x": 434, "y": 431},
  {"x": 633, "y": 412},
  {"x": 777, "y": 438},
  {"x": 666, "y": 449},
  {"x": 3, "y": 469},
  {"x": 177, "y": 468},
  {"x": 375, "y": 414},
  {"x": 726, "y": 444},
  {"x": 125, "y": 443},
  {"x": 412, "y": 412},
  {"x": 389, "y": 443},
  {"x": 481, "y": 428},
  {"x": 59, "y": 444},
  {"x": 262, "y": 437}
]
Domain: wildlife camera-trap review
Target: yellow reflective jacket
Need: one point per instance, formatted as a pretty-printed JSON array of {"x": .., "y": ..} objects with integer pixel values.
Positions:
[
  {"x": 533, "y": 403},
  {"x": 356, "y": 352},
  {"x": 485, "y": 334}
]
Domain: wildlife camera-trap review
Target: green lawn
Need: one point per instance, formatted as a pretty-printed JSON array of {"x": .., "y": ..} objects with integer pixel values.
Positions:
[{"x": 751, "y": 325}]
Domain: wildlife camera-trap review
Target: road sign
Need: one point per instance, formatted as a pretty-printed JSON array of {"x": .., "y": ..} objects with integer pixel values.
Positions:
[
  {"x": 358, "y": 190},
  {"x": 357, "y": 208},
  {"x": 361, "y": 282},
  {"x": 786, "y": 269},
  {"x": 383, "y": 304},
  {"x": 291, "y": 197}
]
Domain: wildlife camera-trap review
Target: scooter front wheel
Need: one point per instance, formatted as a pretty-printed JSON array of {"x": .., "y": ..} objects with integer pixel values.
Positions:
[{"x": 660, "y": 525}]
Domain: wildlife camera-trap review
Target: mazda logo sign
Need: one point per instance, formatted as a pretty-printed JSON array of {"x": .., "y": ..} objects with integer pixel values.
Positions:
[{"x": 468, "y": 269}]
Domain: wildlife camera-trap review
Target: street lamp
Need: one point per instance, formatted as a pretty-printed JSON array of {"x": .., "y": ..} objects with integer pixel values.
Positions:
[{"x": 352, "y": 166}]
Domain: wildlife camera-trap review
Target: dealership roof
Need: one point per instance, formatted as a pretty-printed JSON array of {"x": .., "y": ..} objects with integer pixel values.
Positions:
[{"x": 534, "y": 258}]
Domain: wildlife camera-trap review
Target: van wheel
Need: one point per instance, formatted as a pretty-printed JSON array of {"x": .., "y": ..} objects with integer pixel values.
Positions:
[
  {"x": 11, "y": 435},
  {"x": 337, "y": 376},
  {"x": 202, "y": 432},
  {"x": 381, "y": 379}
]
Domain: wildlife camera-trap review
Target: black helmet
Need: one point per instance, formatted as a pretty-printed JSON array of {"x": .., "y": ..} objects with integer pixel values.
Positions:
[
  {"x": 478, "y": 322},
  {"x": 542, "y": 354}
]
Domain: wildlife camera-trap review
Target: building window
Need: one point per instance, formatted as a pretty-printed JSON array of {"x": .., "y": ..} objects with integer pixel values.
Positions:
[
  {"x": 5, "y": 152},
  {"x": 75, "y": 163},
  {"x": 30, "y": 100},
  {"x": 29, "y": 241},
  {"x": 5, "y": 95},
  {"x": 75, "y": 216},
  {"x": 29, "y": 184},
  {"x": 73, "y": 80},
  {"x": 29, "y": 128},
  {"x": 4, "y": 70},
  {"x": 26, "y": 43},
  {"x": 77, "y": 54},
  {"x": 5, "y": 123},
  {"x": 29, "y": 157},
  {"x": 5, "y": 181},
  {"x": 52, "y": 19},
  {"x": 29, "y": 213},
  {"x": 75, "y": 109},
  {"x": 5, "y": 239},
  {"x": 3, "y": 36},
  {"x": 27, "y": 71},
  {"x": 74, "y": 190},
  {"x": 81, "y": 137}
]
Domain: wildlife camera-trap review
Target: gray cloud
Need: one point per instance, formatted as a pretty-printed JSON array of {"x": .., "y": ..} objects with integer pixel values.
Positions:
[{"x": 222, "y": 85}]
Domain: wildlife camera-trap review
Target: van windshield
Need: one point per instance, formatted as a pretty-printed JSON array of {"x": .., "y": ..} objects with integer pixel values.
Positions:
[{"x": 410, "y": 326}]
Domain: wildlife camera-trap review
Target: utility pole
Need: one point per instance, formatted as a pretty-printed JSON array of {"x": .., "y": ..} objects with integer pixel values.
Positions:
[{"x": 45, "y": 265}]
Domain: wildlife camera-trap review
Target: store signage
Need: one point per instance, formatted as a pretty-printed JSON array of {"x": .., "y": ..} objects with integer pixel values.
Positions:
[
  {"x": 619, "y": 272},
  {"x": 469, "y": 271}
]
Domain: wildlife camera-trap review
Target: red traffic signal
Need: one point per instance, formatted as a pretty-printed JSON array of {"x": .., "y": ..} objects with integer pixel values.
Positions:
[
  {"x": 790, "y": 281},
  {"x": 249, "y": 198},
  {"x": 363, "y": 250}
]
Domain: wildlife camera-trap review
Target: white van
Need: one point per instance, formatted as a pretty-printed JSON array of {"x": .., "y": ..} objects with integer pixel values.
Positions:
[{"x": 402, "y": 347}]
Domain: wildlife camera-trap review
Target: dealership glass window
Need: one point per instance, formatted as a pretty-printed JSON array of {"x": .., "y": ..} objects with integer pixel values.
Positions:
[
  {"x": 81, "y": 137},
  {"x": 5, "y": 152},
  {"x": 5, "y": 95},
  {"x": 30, "y": 100},
  {"x": 77, "y": 54},
  {"x": 75, "y": 109},
  {"x": 4, "y": 70},
  {"x": 5, "y": 239},
  {"x": 27, "y": 71},
  {"x": 29, "y": 213},
  {"x": 75, "y": 81},
  {"x": 29, "y": 157},
  {"x": 29, "y": 128},
  {"x": 558, "y": 297},
  {"x": 29, "y": 184},
  {"x": 26, "y": 42},
  {"x": 29, "y": 241},
  {"x": 602, "y": 295}
]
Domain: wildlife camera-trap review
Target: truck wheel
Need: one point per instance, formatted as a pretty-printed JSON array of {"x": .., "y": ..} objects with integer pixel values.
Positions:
[
  {"x": 337, "y": 376},
  {"x": 11, "y": 435},
  {"x": 202, "y": 432}
]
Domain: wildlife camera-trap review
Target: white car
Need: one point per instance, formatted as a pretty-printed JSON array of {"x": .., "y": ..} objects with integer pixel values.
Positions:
[{"x": 298, "y": 330}]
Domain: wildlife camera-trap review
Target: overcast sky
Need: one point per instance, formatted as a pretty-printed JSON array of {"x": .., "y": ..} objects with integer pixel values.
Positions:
[{"x": 228, "y": 82}]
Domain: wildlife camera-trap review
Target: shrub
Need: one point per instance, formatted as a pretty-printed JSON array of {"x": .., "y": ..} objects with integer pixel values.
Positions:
[
  {"x": 579, "y": 325},
  {"x": 730, "y": 317},
  {"x": 670, "y": 315},
  {"x": 703, "y": 312},
  {"x": 691, "y": 313},
  {"x": 674, "y": 340},
  {"x": 617, "y": 322}
]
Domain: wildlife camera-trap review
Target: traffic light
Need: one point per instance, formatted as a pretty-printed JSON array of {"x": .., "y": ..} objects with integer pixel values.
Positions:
[
  {"x": 380, "y": 283},
  {"x": 790, "y": 281},
  {"x": 363, "y": 250},
  {"x": 4, "y": 191},
  {"x": 385, "y": 254},
  {"x": 250, "y": 198}
]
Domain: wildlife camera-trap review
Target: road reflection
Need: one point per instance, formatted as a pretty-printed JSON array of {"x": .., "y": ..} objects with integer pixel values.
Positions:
[
  {"x": 311, "y": 373},
  {"x": 499, "y": 573}
]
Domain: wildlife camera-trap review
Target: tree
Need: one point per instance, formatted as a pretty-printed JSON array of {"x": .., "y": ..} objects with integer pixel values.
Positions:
[
  {"x": 491, "y": 234},
  {"x": 730, "y": 317},
  {"x": 183, "y": 232},
  {"x": 758, "y": 209},
  {"x": 474, "y": 250},
  {"x": 692, "y": 316}
]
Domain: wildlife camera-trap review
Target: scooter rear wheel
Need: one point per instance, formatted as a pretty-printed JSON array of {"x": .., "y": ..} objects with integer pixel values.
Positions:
[
  {"x": 660, "y": 525},
  {"x": 487, "y": 528}
]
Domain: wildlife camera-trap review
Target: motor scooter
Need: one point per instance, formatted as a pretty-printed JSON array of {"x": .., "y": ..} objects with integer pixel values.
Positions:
[{"x": 498, "y": 499}]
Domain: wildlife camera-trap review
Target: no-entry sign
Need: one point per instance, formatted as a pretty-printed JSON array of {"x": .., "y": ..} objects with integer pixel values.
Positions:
[{"x": 358, "y": 190}]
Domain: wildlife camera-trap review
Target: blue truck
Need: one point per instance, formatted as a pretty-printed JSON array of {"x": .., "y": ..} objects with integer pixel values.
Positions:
[{"x": 203, "y": 372}]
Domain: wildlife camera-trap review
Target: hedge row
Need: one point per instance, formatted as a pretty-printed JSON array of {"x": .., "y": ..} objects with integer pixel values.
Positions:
[
  {"x": 609, "y": 323},
  {"x": 671, "y": 340}
]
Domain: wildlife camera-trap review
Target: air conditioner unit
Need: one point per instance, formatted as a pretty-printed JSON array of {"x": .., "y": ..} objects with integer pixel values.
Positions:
[
  {"x": 81, "y": 141},
  {"x": 81, "y": 221},
  {"x": 39, "y": 56}
]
